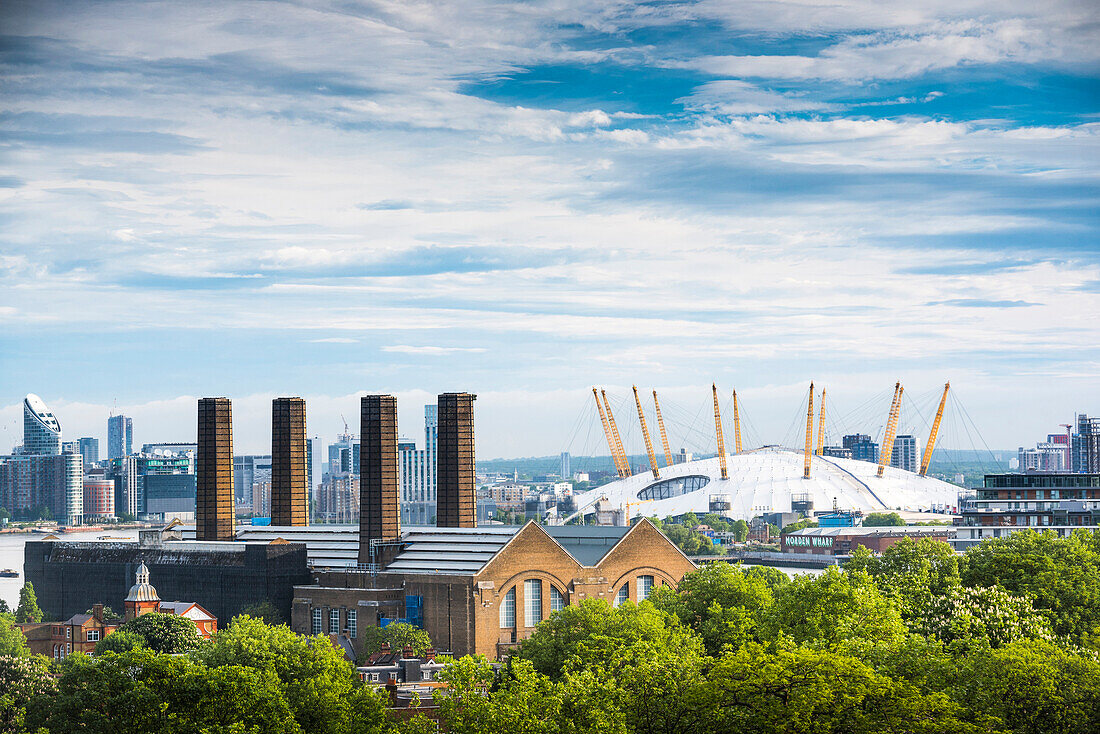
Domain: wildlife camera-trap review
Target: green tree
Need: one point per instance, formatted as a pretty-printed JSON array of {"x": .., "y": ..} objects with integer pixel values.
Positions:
[
  {"x": 833, "y": 607},
  {"x": 266, "y": 611},
  {"x": 1061, "y": 576},
  {"x": 120, "y": 640},
  {"x": 883, "y": 519},
  {"x": 586, "y": 635},
  {"x": 23, "y": 679},
  {"x": 397, "y": 635},
  {"x": 141, "y": 691},
  {"x": 1034, "y": 687},
  {"x": 108, "y": 613},
  {"x": 690, "y": 520},
  {"x": 12, "y": 640},
  {"x": 167, "y": 633},
  {"x": 740, "y": 530},
  {"x": 28, "y": 610},
  {"x": 796, "y": 689},
  {"x": 720, "y": 602},
  {"x": 319, "y": 684},
  {"x": 794, "y": 527},
  {"x": 991, "y": 615}
]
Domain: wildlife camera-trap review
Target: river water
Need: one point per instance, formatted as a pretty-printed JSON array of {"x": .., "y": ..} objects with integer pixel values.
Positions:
[{"x": 11, "y": 555}]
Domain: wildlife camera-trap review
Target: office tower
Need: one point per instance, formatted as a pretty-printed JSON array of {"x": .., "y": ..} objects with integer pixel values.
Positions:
[
  {"x": 41, "y": 430},
  {"x": 32, "y": 482},
  {"x": 120, "y": 436},
  {"x": 130, "y": 475},
  {"x": 214, "y": 506},
  {"x": 247, "y": 471},
  {"x": 378, "y": 513},
  {"x": 431, "y": 455},
  {"x": 564, "y": 471},
  {"x": 89, "y": 449},
  {"x": 906, "y": 453},
  {"x": 861, "y": 446},
  {"x": 456, "y": 502},
  {"x": 70, "y": 447},
  {"x": 289, "y": 485}
]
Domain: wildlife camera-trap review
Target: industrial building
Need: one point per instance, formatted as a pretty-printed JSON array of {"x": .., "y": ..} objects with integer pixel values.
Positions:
[{"x": 841, "y": 541}]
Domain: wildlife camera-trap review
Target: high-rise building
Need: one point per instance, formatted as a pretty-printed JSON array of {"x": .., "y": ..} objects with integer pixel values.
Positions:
[
  {"x": 1045, "y": 457},
  {"x": 906, "y": 453},
  {"x": 170, "y": 496},
  {"x": 289, "y": 484},
  {"x": 247, "y": 471},
  {"x": 379, "y": 519},
  {"x": 1085, "y": 446},
  {"x": 70, "y": 447},
  {"x": 564, "y": 471},
  {"x": 129, "y": 474},
  {"x": 456, "y": 500},
  {"x": 99, "y": 498},
  {"x": 862, "y": 447},
  {"x": 120, "y": 436},
  {"x": 418, "y": 472},
  {"x": 41, "y": 429},
  {"x": 30, "y": 483},
  {"x": 214, "y": 506},
  {"x": 89, "y": 449}
]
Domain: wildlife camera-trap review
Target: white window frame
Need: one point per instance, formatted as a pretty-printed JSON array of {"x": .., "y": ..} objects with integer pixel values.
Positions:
[
  {"x": 93, "y": 636},
  {"x": 508, "y": 610},
  {"x": 334, "y": 621},
  {"x": 623, "y": 594},
  {"x": 557, "y": 599},
  {"x": 645, "y": 587},
  {"x": 353, "y": 623},
  {"x": 318, "y": 620},
  {"x": 532, "y": 602}
]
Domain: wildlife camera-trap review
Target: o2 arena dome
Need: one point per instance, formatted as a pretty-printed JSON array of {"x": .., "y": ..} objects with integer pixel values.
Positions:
[{"x": 770, "y": 479}]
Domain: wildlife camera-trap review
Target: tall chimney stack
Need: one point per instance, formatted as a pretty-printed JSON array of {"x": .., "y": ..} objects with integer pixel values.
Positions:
[
  {"x": 289, "y": 486},
  {"x": 379, "y": 516},
  {"x": 214, "y": 508},
  {"x": 456, "y": 503}
]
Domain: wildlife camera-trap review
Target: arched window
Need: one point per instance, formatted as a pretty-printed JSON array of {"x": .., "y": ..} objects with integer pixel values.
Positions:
[
  {"x": 508, "y": 610},
  {"x": 623, "y": 595},
  {"x": 532, "y": 602},
  {"x": 645, "y": 585},
  {"x": 557, "y": 599}
]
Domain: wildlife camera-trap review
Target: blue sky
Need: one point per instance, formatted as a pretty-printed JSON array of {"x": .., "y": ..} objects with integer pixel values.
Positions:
[{"x": 526, "y": 199}]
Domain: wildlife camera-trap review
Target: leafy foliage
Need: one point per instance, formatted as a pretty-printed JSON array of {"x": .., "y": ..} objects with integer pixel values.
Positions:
[
  {"x": 397, "y": 635},
  {"x": 120, "y": 640},
  {"x": 883, "y": 519},
  {"x": 28, "y": 610},
  {"x": 12, "y": 640},
  {"x": 166, "y": 633},
  {"x": 23, "y": 678}
]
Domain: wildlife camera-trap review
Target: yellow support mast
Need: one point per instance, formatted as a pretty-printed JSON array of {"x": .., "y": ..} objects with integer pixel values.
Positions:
[
  {"x": 645, "y": 435},
  {"x": 821, "y": 426},
  {"x": 718, "y": 431},
  {"x": 809, "y": 434},
  {"x": 625, "y": 471},
  {"x": 661, "y": 426},
  {"x": 736, "y": 424},
  {"x": 607, "y": 433},
  {"x": 891, "y": 429},
  {"x": 935, "y": 431}
]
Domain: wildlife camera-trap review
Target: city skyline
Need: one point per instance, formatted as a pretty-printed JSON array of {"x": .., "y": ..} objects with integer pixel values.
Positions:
[{"x": 526, "y": 200}]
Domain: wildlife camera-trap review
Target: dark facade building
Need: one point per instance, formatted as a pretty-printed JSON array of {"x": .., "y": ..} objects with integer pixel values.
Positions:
[
  {"x": 170, "y": 494},
  {"x": 69, "y": 577},
  {"x": 289, "y": 484},
  {"x": 862, "y": 447},
  {"x": 1062, "y": 502},
  {"x": 456, "y": 501},
  {"x": 214, "y": 505},
  {"x": 379, "y": 518}
]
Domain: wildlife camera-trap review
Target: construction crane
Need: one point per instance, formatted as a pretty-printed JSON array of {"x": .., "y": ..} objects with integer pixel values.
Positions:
[
  {"x": 628, "y": 505},
  {"x": 607, "y": 433},
  {"x": 645, "y": 435},
  {"x": 809, "y": 433},
  {"x": 891, "y": 429},
  {"x": 718, "y": 431},
  {"x": 736, "y": 424},
  {"x": 661, "y": 426},
  {"x": 625, "y": 470},
  {"x": 924, "y": 462},
  {"x": 821, "y": 425}
]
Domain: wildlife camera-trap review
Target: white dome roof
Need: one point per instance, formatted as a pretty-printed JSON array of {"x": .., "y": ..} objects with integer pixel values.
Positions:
[{"x": 766, "y": 480}]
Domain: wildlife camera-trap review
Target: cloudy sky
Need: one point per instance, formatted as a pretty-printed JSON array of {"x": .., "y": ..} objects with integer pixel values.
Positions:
[{"x": 526, "y": 199}]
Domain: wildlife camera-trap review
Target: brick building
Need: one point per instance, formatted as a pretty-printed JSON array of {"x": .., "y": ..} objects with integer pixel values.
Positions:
[
  {"x": 481, "y": 590},
  {"x": 841, "y": 541},
  {"x": 78, "y": 633}
]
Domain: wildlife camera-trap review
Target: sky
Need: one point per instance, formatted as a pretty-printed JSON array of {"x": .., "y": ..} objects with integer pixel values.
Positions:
[{"x": 523, "y": 200}]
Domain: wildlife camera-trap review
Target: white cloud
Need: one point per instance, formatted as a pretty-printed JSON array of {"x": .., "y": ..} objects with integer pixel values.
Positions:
[{"x": 431, "y": 351}]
